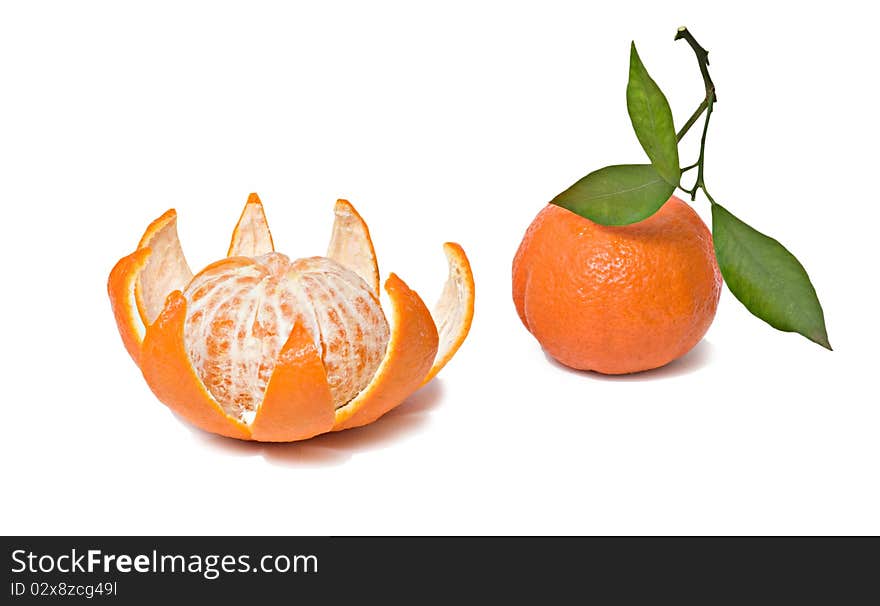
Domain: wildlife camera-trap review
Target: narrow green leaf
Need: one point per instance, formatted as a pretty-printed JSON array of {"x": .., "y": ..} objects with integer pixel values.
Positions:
[
  {"x": 617, "y": 195},
  {"x": 652, "y": 119},
  {"x": 766, "y": 278}
]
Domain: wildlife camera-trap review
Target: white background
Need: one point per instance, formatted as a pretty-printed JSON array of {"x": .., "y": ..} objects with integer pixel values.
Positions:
[{"x": 452, "y": 122}]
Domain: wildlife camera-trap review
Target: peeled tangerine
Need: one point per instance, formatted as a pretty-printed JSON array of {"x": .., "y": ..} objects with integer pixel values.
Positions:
[{"x": 259, "y": 347}]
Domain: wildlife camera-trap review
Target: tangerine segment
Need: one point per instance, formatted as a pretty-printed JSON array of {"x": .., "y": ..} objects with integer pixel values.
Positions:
[
  {"x": 454, "y": 311},
  {"x": 166, "y": 267},
  {"x": 251, "y": 236},
  {"x": 411, "y": 352},
  {"x": 351, "y": 245},
  {"x": 241, "y": 311},
  {"x": 120, "y": 287},
  {"x": 166, "y": 367},
  {"x": 298, "y": 403}
]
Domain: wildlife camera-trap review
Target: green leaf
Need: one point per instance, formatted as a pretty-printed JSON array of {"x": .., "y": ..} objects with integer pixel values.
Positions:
[
  {"x": 617, "y": 195},
  {"x": 652, "y": 119},
  {"x": 766, "y": 278}
]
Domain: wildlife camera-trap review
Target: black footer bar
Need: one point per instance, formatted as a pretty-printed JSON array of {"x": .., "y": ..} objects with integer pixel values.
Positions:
[{"x": 132, "y": 570}]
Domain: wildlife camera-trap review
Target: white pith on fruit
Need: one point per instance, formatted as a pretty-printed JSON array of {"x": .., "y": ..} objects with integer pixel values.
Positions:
[{"x": 240, "y": 312}]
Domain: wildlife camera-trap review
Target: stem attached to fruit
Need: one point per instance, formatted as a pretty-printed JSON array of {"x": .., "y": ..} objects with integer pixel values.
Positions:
[{"x": 705, "y": 106}]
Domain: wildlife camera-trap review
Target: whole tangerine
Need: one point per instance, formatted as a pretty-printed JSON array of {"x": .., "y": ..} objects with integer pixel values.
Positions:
[{"x": 617, "y": 299}]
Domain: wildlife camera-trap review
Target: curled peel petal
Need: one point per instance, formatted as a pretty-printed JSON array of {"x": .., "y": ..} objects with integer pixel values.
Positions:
[
  {"x": 454, "y": 311},
  {"x": 166, "y": 268},
  {"x": 298, "y": 403},
  {"x": 169, "y": 373},
  {"x": 121, "y": 287},
  {"x": 251, "y": 236},
  {"x": 351, "y": 246},
  {"x": 408, "y": 358}
]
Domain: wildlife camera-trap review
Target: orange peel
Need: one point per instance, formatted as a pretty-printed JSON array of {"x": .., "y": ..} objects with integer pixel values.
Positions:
[
  {"x": 258, "y": 347},
  {"x": 351, "y": 245},
  {"x": 454, "y": 311},
  {"x": 251, "y": 236}
]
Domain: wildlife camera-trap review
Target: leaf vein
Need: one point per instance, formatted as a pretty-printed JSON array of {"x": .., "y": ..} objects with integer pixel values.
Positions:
[{"x": 625, "y": 191}]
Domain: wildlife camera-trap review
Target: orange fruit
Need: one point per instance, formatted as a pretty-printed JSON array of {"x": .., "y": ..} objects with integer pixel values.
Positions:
[
  {"x": 258, "y": 347},
  {"x": 617, "y": 299},
  {"x": 241, "y": 310}
]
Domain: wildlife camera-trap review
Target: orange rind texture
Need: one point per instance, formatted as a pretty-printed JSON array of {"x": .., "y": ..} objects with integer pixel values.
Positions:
[
  {"x": 454, "y": 311},
  {"x": 410, "y": 354},
  {"x": 351, "y": 245},
  {"x": 251, "y": 236},
  {"x": 166, "y": 367},
  {"x": 147, "y": 294},
  {"x": 120, "y": 287},
  {"x": 297, "y": 404},
  {"x": 139, "y": 282},
  {"x": 166, "y": 268}
]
